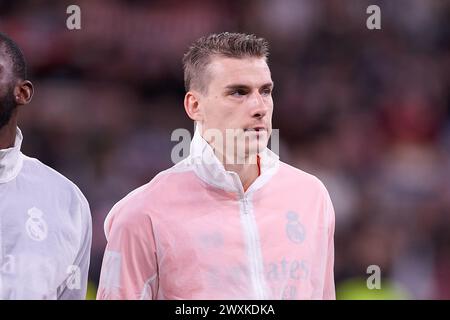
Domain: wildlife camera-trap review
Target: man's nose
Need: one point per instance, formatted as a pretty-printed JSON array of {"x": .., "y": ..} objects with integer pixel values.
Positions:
[{"x": 259, "y": 107}]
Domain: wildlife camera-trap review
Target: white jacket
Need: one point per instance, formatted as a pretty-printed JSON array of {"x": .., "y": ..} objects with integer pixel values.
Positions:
[{"x": 45, "y": 230}]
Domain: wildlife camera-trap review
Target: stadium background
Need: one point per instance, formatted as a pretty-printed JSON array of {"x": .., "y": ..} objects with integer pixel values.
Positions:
[{"x": 367, "y": 111}]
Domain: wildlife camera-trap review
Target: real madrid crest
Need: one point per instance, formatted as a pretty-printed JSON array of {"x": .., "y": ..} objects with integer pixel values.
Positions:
[
  {"x": 294, "y": 229},
  {"x": 36, "y": 226}
]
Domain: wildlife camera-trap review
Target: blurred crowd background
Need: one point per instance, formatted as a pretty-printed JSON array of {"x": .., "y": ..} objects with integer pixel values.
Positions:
[{"x": 367, "y": 111}]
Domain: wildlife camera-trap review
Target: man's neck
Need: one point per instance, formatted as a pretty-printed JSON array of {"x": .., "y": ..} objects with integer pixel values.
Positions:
[
  {"x": 247, "y": 172},
  {"x": 8, "y": 135}
]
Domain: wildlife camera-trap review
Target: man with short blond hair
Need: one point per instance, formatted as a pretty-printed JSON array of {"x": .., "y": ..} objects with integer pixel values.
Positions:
[{"x": 231, "y": 221}]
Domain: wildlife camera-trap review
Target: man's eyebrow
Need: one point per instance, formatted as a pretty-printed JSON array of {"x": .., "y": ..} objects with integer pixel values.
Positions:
[
  {"x": 244, "y": 86},
  {"x": 268, "y": 85}
]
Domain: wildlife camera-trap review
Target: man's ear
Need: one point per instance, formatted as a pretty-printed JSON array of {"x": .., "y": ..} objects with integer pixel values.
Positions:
[
  {"x": 192, "y": 105},
  {"x": 23, "y": 92}
]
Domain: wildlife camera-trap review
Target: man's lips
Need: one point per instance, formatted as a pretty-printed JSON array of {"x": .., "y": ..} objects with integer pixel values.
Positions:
[{"x": 257, "y": 129}]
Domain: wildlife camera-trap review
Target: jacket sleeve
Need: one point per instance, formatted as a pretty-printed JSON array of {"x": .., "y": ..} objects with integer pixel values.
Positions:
[
  {"x": 75, "y": 285},
  {"x": 329, "y": 292},
  {"x": 129, "y": 268}
]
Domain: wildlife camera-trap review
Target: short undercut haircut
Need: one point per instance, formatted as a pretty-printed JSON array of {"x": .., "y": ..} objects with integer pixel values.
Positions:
[
  {"x": 226, "y": 44},
  {"x": 12, "y": 50}
]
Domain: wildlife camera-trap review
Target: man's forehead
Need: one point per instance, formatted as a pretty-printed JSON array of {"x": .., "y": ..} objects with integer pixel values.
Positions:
[{"x": 250, "y": 71}]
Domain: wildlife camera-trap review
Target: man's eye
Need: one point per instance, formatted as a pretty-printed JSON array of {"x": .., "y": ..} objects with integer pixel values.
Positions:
[
  {"x": 267, "y": 92},
  {"x": 238, "y": 93}
]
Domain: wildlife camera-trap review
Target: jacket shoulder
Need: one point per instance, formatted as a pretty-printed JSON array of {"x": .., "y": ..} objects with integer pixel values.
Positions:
[
  {"x": 297, "y": 176},
  {"x": 139, "y": 204},
  {"x": 51, "y": 180}
]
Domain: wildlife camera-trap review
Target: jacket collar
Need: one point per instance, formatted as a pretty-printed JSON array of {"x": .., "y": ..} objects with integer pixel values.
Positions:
[
  {"x": 208, "y": 167},
  {"x": 11, "y": 160}
]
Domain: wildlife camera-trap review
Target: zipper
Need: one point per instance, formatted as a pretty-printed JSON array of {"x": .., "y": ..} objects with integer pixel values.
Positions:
[{"x": 253, "y": 247}]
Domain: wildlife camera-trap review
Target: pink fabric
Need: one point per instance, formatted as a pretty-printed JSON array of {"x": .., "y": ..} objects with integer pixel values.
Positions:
[{"x": 185, "y": 235}]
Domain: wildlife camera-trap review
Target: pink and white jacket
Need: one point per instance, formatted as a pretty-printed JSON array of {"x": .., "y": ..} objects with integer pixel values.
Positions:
[{"x": 193, "y": 233}]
